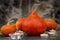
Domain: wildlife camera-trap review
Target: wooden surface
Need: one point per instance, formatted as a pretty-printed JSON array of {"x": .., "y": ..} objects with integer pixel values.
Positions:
[{"x": 56, "y": 37}]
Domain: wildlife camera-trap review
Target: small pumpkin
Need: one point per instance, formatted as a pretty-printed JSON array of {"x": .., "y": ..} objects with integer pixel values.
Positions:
[
  {"x": 7, "y": 29},
  {"x": 19, "y": 23},
  {"x": 51, "y": 24},
  {"x": 33, "y": 24}
]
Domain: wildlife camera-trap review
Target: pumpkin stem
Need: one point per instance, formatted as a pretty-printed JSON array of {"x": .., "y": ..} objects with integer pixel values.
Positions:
[
  {"x": 34, "y": 12},
  {"x": 10, "y": 22}
]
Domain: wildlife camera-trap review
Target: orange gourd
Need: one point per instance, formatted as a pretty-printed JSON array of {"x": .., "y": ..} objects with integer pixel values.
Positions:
[
  {"x": 7, "y": 29},
  {"x": 19, "y": 23},
  {"x": 51, "y": 24},
  {"x": 33, "y": 24}
]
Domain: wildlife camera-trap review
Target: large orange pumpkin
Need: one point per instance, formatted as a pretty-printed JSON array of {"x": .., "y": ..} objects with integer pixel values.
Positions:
[
  {"x": 8, "y": 28},
  {"x": 33, "y": 24},
  {"x": 51, "y": 24},
  {"x": 19, "y": 23}
]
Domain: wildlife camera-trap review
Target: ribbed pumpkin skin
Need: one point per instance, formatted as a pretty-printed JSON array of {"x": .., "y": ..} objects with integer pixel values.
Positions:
[
  {"x": 51, "y": 24},
  {"x": 19, "y": 23},
  {"x": 7, "y": 29},
  {"x": 33, "y": 24}
]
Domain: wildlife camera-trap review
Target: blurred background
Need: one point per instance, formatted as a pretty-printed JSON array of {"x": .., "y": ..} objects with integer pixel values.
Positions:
[{"x": 14, "y": 9}]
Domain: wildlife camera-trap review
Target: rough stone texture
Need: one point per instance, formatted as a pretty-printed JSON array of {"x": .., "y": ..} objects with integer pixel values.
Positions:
[{"x": 16, "y": 13}]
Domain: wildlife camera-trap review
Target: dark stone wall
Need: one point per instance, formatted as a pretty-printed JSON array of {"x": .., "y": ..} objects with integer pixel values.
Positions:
[
  {"x": 6, "y": 4},
  {"x": 56, "y": 3}
]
